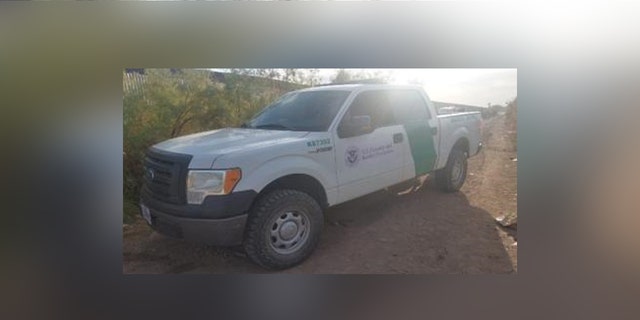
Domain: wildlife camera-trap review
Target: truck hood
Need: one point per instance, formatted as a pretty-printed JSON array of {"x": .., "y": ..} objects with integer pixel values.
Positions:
[{"x": 209, "y": 145}]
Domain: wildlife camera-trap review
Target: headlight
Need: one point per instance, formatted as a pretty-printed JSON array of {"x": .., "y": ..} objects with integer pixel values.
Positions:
[{"x": 201, "y": 183}]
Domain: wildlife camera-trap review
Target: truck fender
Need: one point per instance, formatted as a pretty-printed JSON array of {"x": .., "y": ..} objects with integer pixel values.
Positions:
[
  {"x": 447, "y": 145},
  {"x": 282, "y": 166}
]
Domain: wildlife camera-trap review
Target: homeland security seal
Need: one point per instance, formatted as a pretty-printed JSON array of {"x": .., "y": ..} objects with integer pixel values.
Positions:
[{"x": 352, "y": 156}]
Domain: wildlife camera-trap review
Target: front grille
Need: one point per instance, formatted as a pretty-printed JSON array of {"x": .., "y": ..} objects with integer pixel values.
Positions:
[{"x": 165, "y": 176}]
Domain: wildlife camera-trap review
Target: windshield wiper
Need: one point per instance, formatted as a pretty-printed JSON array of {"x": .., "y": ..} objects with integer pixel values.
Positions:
[{"x": 273, "y": 126}]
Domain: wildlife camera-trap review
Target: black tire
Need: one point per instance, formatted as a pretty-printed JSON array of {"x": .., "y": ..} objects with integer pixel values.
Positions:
[
  {"x": 283, "y": 229},
  {"x": 451, "y": 177}
]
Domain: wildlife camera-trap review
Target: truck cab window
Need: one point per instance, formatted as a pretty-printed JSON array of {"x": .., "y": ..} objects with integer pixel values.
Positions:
[{"x": 374, "y": 104}]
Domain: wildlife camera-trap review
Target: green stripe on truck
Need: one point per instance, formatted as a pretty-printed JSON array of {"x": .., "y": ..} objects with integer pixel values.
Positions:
[{"x": 423, "y": 150}]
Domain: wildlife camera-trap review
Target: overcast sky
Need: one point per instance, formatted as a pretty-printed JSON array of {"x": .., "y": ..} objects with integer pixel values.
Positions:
[{"x": 466, "y": 86}]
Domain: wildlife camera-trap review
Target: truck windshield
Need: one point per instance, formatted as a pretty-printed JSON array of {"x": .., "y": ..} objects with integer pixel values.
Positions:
[{"x": 300, "y": 111}]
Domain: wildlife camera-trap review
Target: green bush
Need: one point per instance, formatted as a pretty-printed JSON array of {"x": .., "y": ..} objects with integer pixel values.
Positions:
[{"x": 166, "y": 103}]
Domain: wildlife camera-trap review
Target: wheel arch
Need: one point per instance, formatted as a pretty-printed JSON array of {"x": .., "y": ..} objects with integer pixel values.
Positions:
[
  {"x": 458, "y": 139},
  {"x": 462, "y": 143},
  {"x": 301, "y": 182}
]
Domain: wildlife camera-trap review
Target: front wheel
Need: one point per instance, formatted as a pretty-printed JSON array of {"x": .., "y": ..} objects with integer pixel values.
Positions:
[
  {"x": 452, "y": 176},
  {"x": 283, "y": 229}
]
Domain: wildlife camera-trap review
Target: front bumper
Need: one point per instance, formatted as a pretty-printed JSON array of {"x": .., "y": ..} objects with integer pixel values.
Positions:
[
  {"x": 219, "y": 220},
  {"x": 222, "y": 232}
]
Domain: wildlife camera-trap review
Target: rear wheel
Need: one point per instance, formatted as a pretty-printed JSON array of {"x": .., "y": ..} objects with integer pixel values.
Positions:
[
  {"x": 452, "y": 176},
  {"x": 283, "y": 229}
]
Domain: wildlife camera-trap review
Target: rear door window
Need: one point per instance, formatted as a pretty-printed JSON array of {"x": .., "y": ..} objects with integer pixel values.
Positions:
[{"x": 409, "y": 106}]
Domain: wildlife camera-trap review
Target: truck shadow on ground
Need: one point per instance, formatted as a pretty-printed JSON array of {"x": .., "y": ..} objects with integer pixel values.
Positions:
[
  {"x": 423, "y": 231},
  {"x": 420, "y": 232}
]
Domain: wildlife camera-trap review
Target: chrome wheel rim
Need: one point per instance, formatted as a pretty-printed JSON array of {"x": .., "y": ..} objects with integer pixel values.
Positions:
[
  {"x": 457, "y": 170},
  {"x": 288, "y": 232}
]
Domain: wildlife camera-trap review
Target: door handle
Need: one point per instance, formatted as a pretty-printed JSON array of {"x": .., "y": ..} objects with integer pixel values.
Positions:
[
  {"x": 434, "y": 130},
  {"x": 397, "y": 138}
]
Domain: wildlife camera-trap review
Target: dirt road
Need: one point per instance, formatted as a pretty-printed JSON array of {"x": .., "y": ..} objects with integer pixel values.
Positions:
[{"x": 419, "y": 232}]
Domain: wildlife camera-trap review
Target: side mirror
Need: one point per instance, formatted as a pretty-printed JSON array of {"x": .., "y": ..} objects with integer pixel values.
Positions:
[
  {"x": 356, "y": 126},
  {"x": 361, "y": 121}
]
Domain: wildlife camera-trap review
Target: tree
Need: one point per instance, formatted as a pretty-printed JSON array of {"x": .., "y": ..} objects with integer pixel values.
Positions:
[
  {"x": 311, "y": 77},
  {"x": 178, "y": 97},
  {"x": 342, "y": 76},
  {"x": 374, "y": 76},
  {"x": 168, "y": 106},
  {"x": 290, "y": 75}
]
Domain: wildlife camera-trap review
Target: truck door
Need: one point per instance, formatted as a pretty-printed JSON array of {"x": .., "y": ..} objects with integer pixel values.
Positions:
[
  {"x": 368, "y": 159},
  {"x": 421, "y": 128}
]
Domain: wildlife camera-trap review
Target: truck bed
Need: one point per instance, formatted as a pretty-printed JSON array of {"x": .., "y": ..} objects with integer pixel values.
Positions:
[{"x": 454, "y": 125}]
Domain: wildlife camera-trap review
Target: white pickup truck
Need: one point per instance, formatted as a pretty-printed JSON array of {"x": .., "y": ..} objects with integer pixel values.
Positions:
[{"x": 265, "y": 185}]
